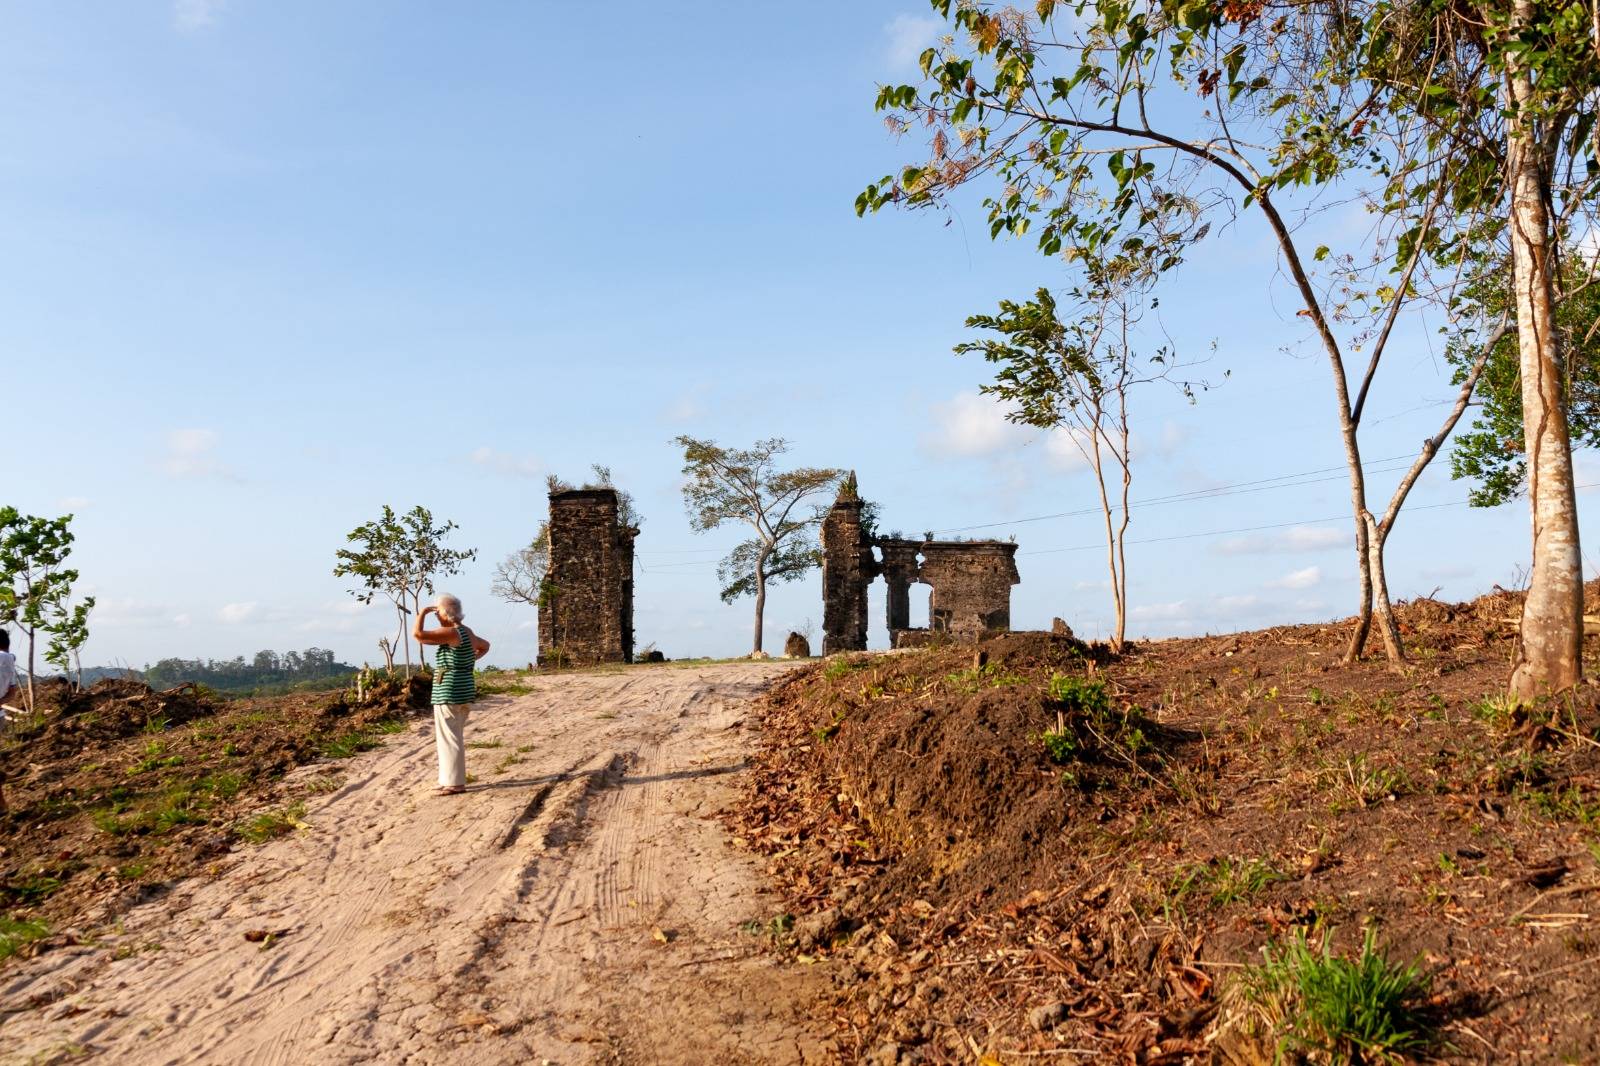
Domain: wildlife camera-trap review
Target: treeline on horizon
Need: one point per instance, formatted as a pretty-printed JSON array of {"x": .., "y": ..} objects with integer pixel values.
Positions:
[{"x": 265, "y": 671}]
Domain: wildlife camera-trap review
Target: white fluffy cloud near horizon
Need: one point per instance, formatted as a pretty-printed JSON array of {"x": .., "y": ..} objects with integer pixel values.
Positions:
[
  {"x": 1287, "y": 541},
  {"x": 1298, "y": 579},
  {"x": 971, "y": 425}
]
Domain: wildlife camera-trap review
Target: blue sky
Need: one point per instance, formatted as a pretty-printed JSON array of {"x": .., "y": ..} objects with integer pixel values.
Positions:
[{"x": 272, "y": 266}]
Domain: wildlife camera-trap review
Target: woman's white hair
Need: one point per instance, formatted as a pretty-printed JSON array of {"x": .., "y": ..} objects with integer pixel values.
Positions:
[{"x": 449, "y": 607}]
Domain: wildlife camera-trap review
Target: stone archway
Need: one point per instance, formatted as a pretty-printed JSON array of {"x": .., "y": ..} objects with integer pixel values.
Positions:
[{"x": 970, "y": 582}]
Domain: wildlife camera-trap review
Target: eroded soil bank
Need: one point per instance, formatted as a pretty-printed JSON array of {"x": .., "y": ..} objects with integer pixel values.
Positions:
[{"x": 1100, "y": 893}]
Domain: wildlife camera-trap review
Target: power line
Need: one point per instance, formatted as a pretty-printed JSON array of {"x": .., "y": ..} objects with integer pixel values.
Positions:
[
  {"x": 1282, "y": 481},
  {"x": 1257, "y": 529}
]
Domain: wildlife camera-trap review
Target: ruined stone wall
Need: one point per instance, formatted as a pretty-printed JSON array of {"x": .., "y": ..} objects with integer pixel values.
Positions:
[
  {"x": 848, "y": 567},
  {"x": 900, "y": 572},
  {"x": 971, "y": 582},
  {"x": 588, "y": 613}
]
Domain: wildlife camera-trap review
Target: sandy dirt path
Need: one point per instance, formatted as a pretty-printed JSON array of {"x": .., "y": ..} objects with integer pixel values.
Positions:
[{"x": 578, "y": 905}]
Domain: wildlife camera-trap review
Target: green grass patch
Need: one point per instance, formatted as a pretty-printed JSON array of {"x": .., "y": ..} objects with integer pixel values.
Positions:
[
  {"x": 15, "y": 933},
  {"x": 1360, "y": 1010},
  {"x": 347, "y": 744},
  {"x": 1222, "y": 881},
  {"x": 989, "y": 675},
  {"x": 269, "y": 825}
]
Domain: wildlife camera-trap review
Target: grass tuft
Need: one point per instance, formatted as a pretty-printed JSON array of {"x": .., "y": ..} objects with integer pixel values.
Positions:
[
  {"x": 16, "y": 933},
  {"x": 1365, "y": 1009}
]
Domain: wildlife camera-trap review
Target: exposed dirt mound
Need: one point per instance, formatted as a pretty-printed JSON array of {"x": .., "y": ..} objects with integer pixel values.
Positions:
[
  {"x": 113, "y": 708},
  {"x": 1036, "y": 853}
]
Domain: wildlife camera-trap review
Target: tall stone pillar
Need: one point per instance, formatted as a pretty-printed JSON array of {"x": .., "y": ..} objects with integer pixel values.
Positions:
[
  {"x": 847, "y": 569},
  {"x": 587, "y": 613}
]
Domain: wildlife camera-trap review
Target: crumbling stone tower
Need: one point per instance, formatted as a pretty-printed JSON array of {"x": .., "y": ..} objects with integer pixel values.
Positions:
[
  {"x": 586, "y": 605},
  {"x": 847, "y": 569}
]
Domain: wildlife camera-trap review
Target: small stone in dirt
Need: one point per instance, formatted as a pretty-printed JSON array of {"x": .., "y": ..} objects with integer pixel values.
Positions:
[
  {"x": 796, "y": 647},
  {"x": 1060, "y": 628},
  {"x": 817, "y": 930},
  {"x": 1048, "y": 1016},
  {"x": 886, "y": 1055}
]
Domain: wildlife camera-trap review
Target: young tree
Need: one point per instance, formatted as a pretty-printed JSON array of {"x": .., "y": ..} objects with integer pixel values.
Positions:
[
  {"x": 519, "y": 577},
  {"x": 1075, "y": 377},
  {"x": 1491, "y": 454},
  {"x": 398, "y": 557},
  {"x": 744, "y": 485},
  {"x": 69, "y": 631},
  {"x": 1122, "y": 126},
  {"x": 32, "y": 575}
]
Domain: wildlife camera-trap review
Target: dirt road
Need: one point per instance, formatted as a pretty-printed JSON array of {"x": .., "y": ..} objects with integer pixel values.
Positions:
[{"x": 577, "y": 905}]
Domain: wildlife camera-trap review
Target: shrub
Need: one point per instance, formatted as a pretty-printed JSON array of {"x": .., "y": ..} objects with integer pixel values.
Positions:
[{"x": 1076, "y": 693}]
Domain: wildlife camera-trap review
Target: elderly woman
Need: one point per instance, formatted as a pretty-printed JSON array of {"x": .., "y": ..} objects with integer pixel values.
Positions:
[{"x": 454, "y": 687}]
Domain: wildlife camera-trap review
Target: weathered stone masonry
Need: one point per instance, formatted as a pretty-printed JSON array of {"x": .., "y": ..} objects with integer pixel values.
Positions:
[
  {"x": 587, "y": 613},
  {"x": 847, "y": 569},
  {"x": 970, "y": 581}
]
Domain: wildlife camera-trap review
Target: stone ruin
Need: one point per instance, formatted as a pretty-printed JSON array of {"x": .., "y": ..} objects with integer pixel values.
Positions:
[
  {"x": 970, "y": 581},
  {"x": 586, "y": 602}
]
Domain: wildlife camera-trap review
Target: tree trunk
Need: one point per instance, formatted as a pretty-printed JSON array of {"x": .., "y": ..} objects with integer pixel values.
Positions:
[
  {"x": 1358, "y": 639},
  {"x": 1549, "y": 653},
  {"x": 405, "y": 637},
  {"x": 31, "y": 643},
  {"x": 1377, "y": 583},
  {"x": 761, "y": 601}
]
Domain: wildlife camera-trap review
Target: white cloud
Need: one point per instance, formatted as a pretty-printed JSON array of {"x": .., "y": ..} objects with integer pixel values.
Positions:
[
  {"x": 1175, "y": 609},
  {"x": 73, "y": 503},
  {"x": 907, "y": 37},
  {"x": 1298, "y": 579},
  {"x": 1237, "y": 605},
  {"x": 189, "y": 454},
  {"x": 1288, "y": 541},
  {"x": 1068, "y": 448},
  {"x": 508, "y": 464},
  {"x": 971, "y": 426},
  {"x": 125, "y": 612},
  {"x": 234, "y": 613},
  {"x": 689, "y": 406},
  {"x": 193, "y": 15}
]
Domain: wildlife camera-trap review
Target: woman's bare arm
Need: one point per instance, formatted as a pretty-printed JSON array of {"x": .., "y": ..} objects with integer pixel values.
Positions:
[
  {"x": 480, "y": 647},
  {"x": 445, "y": 635}
]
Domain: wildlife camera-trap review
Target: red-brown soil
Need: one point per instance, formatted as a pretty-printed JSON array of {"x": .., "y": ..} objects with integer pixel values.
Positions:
[{"x": 1238, "y": 789}]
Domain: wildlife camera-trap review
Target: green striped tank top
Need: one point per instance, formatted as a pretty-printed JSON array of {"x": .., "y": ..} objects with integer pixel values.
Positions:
[{"x": 453, "y": 665}]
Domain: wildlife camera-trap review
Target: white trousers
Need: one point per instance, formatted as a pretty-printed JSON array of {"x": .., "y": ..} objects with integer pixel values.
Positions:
[{"x": 449, "y": 727}]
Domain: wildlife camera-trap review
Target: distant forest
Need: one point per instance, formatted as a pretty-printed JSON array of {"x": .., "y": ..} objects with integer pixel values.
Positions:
[{"x": 268, "y": 670}]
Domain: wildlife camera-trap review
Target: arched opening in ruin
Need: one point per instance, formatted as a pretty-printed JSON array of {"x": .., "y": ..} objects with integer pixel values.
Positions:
[{"x": 918, "y": 596}]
